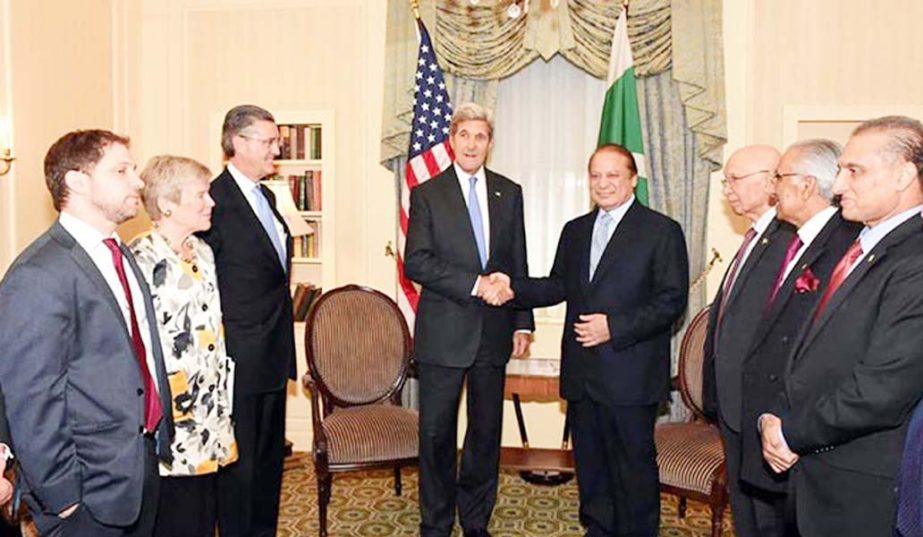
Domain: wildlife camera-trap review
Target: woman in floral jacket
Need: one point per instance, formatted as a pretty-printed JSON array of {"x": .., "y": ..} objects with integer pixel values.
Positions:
[{"x": 180, "y": 270}]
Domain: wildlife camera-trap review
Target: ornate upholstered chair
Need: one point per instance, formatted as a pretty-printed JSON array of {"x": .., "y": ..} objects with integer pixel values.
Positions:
[
  {"x": 358, "y": 350},
  {"x": 689, "y": 454}
]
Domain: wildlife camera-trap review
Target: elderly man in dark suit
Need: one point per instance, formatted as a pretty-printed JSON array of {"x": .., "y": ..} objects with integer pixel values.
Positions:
[
  {"x": 856, "y": 370},
  {"x": 465, "y": 222},
  {"x": 253, "y": 254},
  {"x": 624, "y": 272},
  {"x": 80, "y": 358},
  {"x": 803, "y": 185},
  {"x": 733, "y": 318}
]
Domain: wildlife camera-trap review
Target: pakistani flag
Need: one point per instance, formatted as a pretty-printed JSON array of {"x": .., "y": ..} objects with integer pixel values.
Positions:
[{"x": 621, "y": 121}]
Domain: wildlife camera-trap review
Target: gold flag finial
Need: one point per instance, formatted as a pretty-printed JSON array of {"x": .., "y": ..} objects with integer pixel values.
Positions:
[{"x": 415, "y": 7}]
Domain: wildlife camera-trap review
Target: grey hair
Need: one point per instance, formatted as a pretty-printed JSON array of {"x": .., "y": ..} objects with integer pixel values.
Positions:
[
  {"x": 818, "y": 157},
  {"x": 236, "y": 120},
  {"x": 906, "y": 138},
  {"x": 164, "y": 177},
  {"x": 472, "y": 112}
]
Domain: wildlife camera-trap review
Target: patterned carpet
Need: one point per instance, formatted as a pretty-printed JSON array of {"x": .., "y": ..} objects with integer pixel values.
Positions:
[{"x": 363, "y": 504}]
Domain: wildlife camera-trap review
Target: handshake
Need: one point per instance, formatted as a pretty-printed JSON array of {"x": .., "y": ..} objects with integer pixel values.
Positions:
[{"x": 495, "y": 289}]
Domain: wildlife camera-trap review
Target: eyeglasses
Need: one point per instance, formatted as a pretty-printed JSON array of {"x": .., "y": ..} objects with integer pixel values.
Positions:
[
  {"x": 731, "y": 179},
  {"x": 776, "y": 177},
  {"x": 267, "y": 142}
]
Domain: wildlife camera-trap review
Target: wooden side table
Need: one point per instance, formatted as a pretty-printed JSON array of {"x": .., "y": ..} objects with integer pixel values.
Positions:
[{"x": 536, "y": 378}]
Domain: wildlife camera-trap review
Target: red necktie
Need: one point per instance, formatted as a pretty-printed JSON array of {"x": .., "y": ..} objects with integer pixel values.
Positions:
[
  {"x": 840, "y": 271},
  {"x": 153, "y": 411},
  {"x": 732, "y": 274},
  {"x": 793, "y": 248}
]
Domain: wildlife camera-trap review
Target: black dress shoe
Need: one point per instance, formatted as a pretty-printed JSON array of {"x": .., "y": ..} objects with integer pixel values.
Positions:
[{"x": 476, "y": 533}]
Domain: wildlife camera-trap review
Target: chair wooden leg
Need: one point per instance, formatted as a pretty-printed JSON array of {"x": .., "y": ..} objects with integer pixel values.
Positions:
[
  {"x": 717, "y": 519},
  {"x": 324, "y": 482},
  {"x": 681, "y": 507},
  {"x": 397, "y": 481}
]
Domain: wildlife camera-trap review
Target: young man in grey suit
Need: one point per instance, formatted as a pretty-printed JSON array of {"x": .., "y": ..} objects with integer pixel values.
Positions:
[
  {"x": 80, "y": 359},
  {"x": 465, "y": 222},
  {"x": 856, "y": 369}
]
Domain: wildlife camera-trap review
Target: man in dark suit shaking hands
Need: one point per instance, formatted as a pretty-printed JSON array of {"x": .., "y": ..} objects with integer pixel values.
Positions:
[
  {"x": 624, "y": 272},
  {"x": 465, "y": 222},
  {"x": 83, "y": 376},
  {"x": 252, "y": 248},
  {"x": 856, "y": 370}
]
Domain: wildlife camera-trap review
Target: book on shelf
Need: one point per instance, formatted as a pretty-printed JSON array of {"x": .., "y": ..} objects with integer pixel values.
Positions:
[
  {"x": 306, "y": 189},
  {"x": 305, "y": 296},
  {"x": 299, "y": 142}
]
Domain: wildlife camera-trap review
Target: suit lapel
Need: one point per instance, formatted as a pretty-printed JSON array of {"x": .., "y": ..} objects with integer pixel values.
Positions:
[
  {"x": 584, "y": 237},
  {"x": 457, "y": 212},
  {"x": 620, "y": 241},
  {"x": 165, "y": 430},
  {"x": 817, "y": 247},
  {"x": 873, "y": 258},
  {"x": 82, "y": 258},
  {"x": 494, "y": 210},
  {"x": 236, "y": 198},
  {"x": 753, "y": 259}
]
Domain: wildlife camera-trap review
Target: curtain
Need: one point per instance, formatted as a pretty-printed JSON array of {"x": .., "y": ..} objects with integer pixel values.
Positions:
[{"x": 547, "y": 117}]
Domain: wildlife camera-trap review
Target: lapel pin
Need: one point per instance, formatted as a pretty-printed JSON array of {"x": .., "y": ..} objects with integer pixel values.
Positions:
[
  {"x": 497, "y": 194},
  {"x": 871, "y": 258},
  {"x": 765, "y": 241}
]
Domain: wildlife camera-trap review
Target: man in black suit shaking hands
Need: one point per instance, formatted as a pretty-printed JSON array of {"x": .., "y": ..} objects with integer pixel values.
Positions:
[
  {"x": 624, "y": 272},
  {"x": 465, "y": 222}
]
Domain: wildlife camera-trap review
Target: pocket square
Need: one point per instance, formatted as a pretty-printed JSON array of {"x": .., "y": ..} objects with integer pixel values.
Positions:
[{"x": 807, "y": 282}]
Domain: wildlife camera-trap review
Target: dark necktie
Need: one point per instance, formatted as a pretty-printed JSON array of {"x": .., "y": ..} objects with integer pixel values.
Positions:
[
  {"x": 732, "y": 273},
  {"x": 909, "y": 494},
  {"x": 152, "y": 408},
  {"x": 793, "y": 248},
  {"x": 840, "y": 271}
]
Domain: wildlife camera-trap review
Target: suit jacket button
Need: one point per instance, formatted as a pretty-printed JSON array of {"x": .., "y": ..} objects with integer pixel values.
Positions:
[
  {"x": 784, "y": 339},
  {"x": 211, "y": 346},
  {"x": 140, "y": 392},
  {"x": 773, "y": 378}
]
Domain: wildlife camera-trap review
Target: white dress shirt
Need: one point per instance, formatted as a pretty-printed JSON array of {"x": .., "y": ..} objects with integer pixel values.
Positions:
[
  {"x": 617, "y": 214},
  {"x": 91, "y": 240},
  {"x": 807, "y": 233},
  {"x": 246, "y": 186}
]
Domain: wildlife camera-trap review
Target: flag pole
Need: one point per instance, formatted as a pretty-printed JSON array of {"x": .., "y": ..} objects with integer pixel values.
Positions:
[{"x": 415, "y": 7}]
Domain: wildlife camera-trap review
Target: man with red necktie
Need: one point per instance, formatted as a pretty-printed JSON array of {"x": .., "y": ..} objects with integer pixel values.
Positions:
[
  {"x": 735, "y": 313},
  {"x": 803, "y": 186},
  {"x": 80, "y": 359},
  {"x": 856, "y": 369}
]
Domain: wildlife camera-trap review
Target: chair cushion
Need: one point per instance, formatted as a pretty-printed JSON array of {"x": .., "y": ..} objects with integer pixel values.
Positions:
[
  {"x": 371, "y": 433},
  {"x": 689, "y": 455}
]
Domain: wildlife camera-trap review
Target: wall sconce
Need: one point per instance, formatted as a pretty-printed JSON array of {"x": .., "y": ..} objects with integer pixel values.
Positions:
[{"x": 6, "y": 154}]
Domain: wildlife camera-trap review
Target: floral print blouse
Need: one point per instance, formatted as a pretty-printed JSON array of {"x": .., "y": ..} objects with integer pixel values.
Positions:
[{"x": 200, "y": 373}]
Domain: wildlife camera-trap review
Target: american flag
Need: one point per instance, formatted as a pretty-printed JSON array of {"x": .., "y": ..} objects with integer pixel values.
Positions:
[{"x": 429, "y": 152}]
